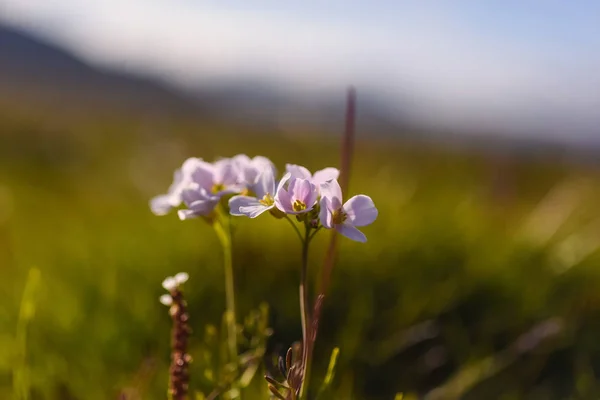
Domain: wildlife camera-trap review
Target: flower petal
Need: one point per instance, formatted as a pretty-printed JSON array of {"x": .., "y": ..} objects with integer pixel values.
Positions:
[
  {"x": 203, "y": 207},
  {"x": 332, "y": 190},
  {"x": 169, "y": 283},
  {"x": 181, "y": 278},
  {"x": 298, "y": 171},
  {"x": 311, "y": 198},
  {"x": 265, "y": 184},
  {"x": 284, "y": 179},
  {"x": 301, "y": 190},
  {"x": 166, "y": 299},
  {"x": 283, "y": 201},
  {"x": 351, "y": 232},
  {"x": 361, "y": 210},
  {"x": 325, "y": 213},
  {"x": 225, "y": 172},
  {"x": 325, "y": 175},
  {"x": 254, "y": 211},
  {"x": 161, "y": 205},
  {"x": 262, "y": 163},
  {"x": 237, "y": 202},
  {"x": 203, "y": 174},
  {"x": 186, "y": 214}
]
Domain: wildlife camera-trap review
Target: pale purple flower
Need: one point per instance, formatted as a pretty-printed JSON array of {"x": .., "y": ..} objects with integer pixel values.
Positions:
[
  {"x": 217, "y": 179},
  {"x": 321, "y": 176},
  {"x": 296, "y": 195},
  {"x": 162, "y": 204},
  {"x": 254, "y": 206},
  {"x": 207, "y": 184},
  {"x": 249, "y": 169},
  {"x": 357, "y": 211},
  {"x": 265, "y": 191},
  {"x": 198, "y": 202}
]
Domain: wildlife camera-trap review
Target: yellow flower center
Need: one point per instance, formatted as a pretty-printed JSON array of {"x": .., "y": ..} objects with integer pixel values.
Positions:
[
  {"x": 267, "y": 200},
  {"x": 339, "y": 216},
  {"x": 298, "y": 206},
  {"x": 218, "y": 187}
]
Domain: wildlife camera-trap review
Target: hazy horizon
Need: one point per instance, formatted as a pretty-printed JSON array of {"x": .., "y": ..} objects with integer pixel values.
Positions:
[{"x": 517, "y": 66}]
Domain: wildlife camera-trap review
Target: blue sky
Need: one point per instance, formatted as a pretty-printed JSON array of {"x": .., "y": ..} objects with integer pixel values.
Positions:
[{"x": 527, "y": 65}]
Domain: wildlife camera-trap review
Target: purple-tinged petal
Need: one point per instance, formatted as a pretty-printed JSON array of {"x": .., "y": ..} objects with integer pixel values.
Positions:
[
  {"x": 186, "y": 214},
  {"x": 241, "y": 159},
  {"x": 302, "y": 190},
  {"x": 326, "y": 213},
  {"x": 190, "y": 165},
  {"x": 236, "y": 202},
  {"x": 360, "y": 210},
  {"x": 283, "y": 201},
  {"x": 311, "y": 199},
  {"x": 351, "y": 232},
  {"x": 332, "y": 190},
  {"x": 325, "y": 175},
  {"x": 265, "y": 184},
  {"x": 262, "y": 163},
  {"x": 226, "y": 172},
  {"x": 284, "y": 180},
  {"x": 161, "y": 205},
  {"x": 203, "y": 207},
  {"x": 298, "y": 171},
  {"x": 193, "y": 193},
  {"x": 255, "y": 210},
  {"x": 203, "y": 175}
]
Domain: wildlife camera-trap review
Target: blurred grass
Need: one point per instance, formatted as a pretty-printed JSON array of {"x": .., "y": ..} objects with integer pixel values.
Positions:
[{"x": 468, "y": 256}]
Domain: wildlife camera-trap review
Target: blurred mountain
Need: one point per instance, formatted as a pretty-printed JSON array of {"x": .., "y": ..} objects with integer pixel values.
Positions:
[
  {"x": 34, "y": 72},
  {"x": 37, "y": 73}
]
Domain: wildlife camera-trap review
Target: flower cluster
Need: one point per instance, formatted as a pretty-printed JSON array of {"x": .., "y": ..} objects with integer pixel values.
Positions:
[{"x": 249, "y": 187}]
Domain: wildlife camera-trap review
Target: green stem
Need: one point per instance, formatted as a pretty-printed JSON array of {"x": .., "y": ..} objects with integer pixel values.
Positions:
[
  {"x": 305, "y": 314},
  {"x": 224, "y": 234}
]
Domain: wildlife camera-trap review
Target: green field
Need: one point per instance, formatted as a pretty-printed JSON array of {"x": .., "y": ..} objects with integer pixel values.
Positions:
[{"x": 480, "y": 278}]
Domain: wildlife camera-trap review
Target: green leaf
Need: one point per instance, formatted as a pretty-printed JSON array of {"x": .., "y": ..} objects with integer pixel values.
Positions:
[{"x": 330, "y": 371}]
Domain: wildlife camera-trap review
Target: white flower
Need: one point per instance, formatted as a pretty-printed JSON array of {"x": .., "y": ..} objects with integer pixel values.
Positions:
[
  {"x": 181, "y": 278},
  {"x": 169, "y": 283},
  {"x": 166, "y": 299},
  {"x": 173, "y": 282}
]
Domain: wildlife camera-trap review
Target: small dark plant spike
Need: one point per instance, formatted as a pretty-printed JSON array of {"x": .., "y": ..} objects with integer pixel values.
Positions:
[{"x": 179, "y": 358}]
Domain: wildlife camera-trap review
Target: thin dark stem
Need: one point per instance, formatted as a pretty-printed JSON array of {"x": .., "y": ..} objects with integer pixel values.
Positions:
[
  {"x": 305, "y": 312},
  {"x": 346, "y": 160},
  {"x": 330, "y": 258}
]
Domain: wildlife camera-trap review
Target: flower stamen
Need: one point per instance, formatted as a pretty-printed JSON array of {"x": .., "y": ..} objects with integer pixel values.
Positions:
[
  {"x": 267, "y": 200},
  {"x": 218, "y": 187},
  {"x": 339, "y": 216},
  {"x": 298, "y": 206}
]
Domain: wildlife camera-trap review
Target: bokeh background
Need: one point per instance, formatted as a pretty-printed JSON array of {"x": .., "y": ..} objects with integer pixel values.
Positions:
[{"x": 477, "y": 137}]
